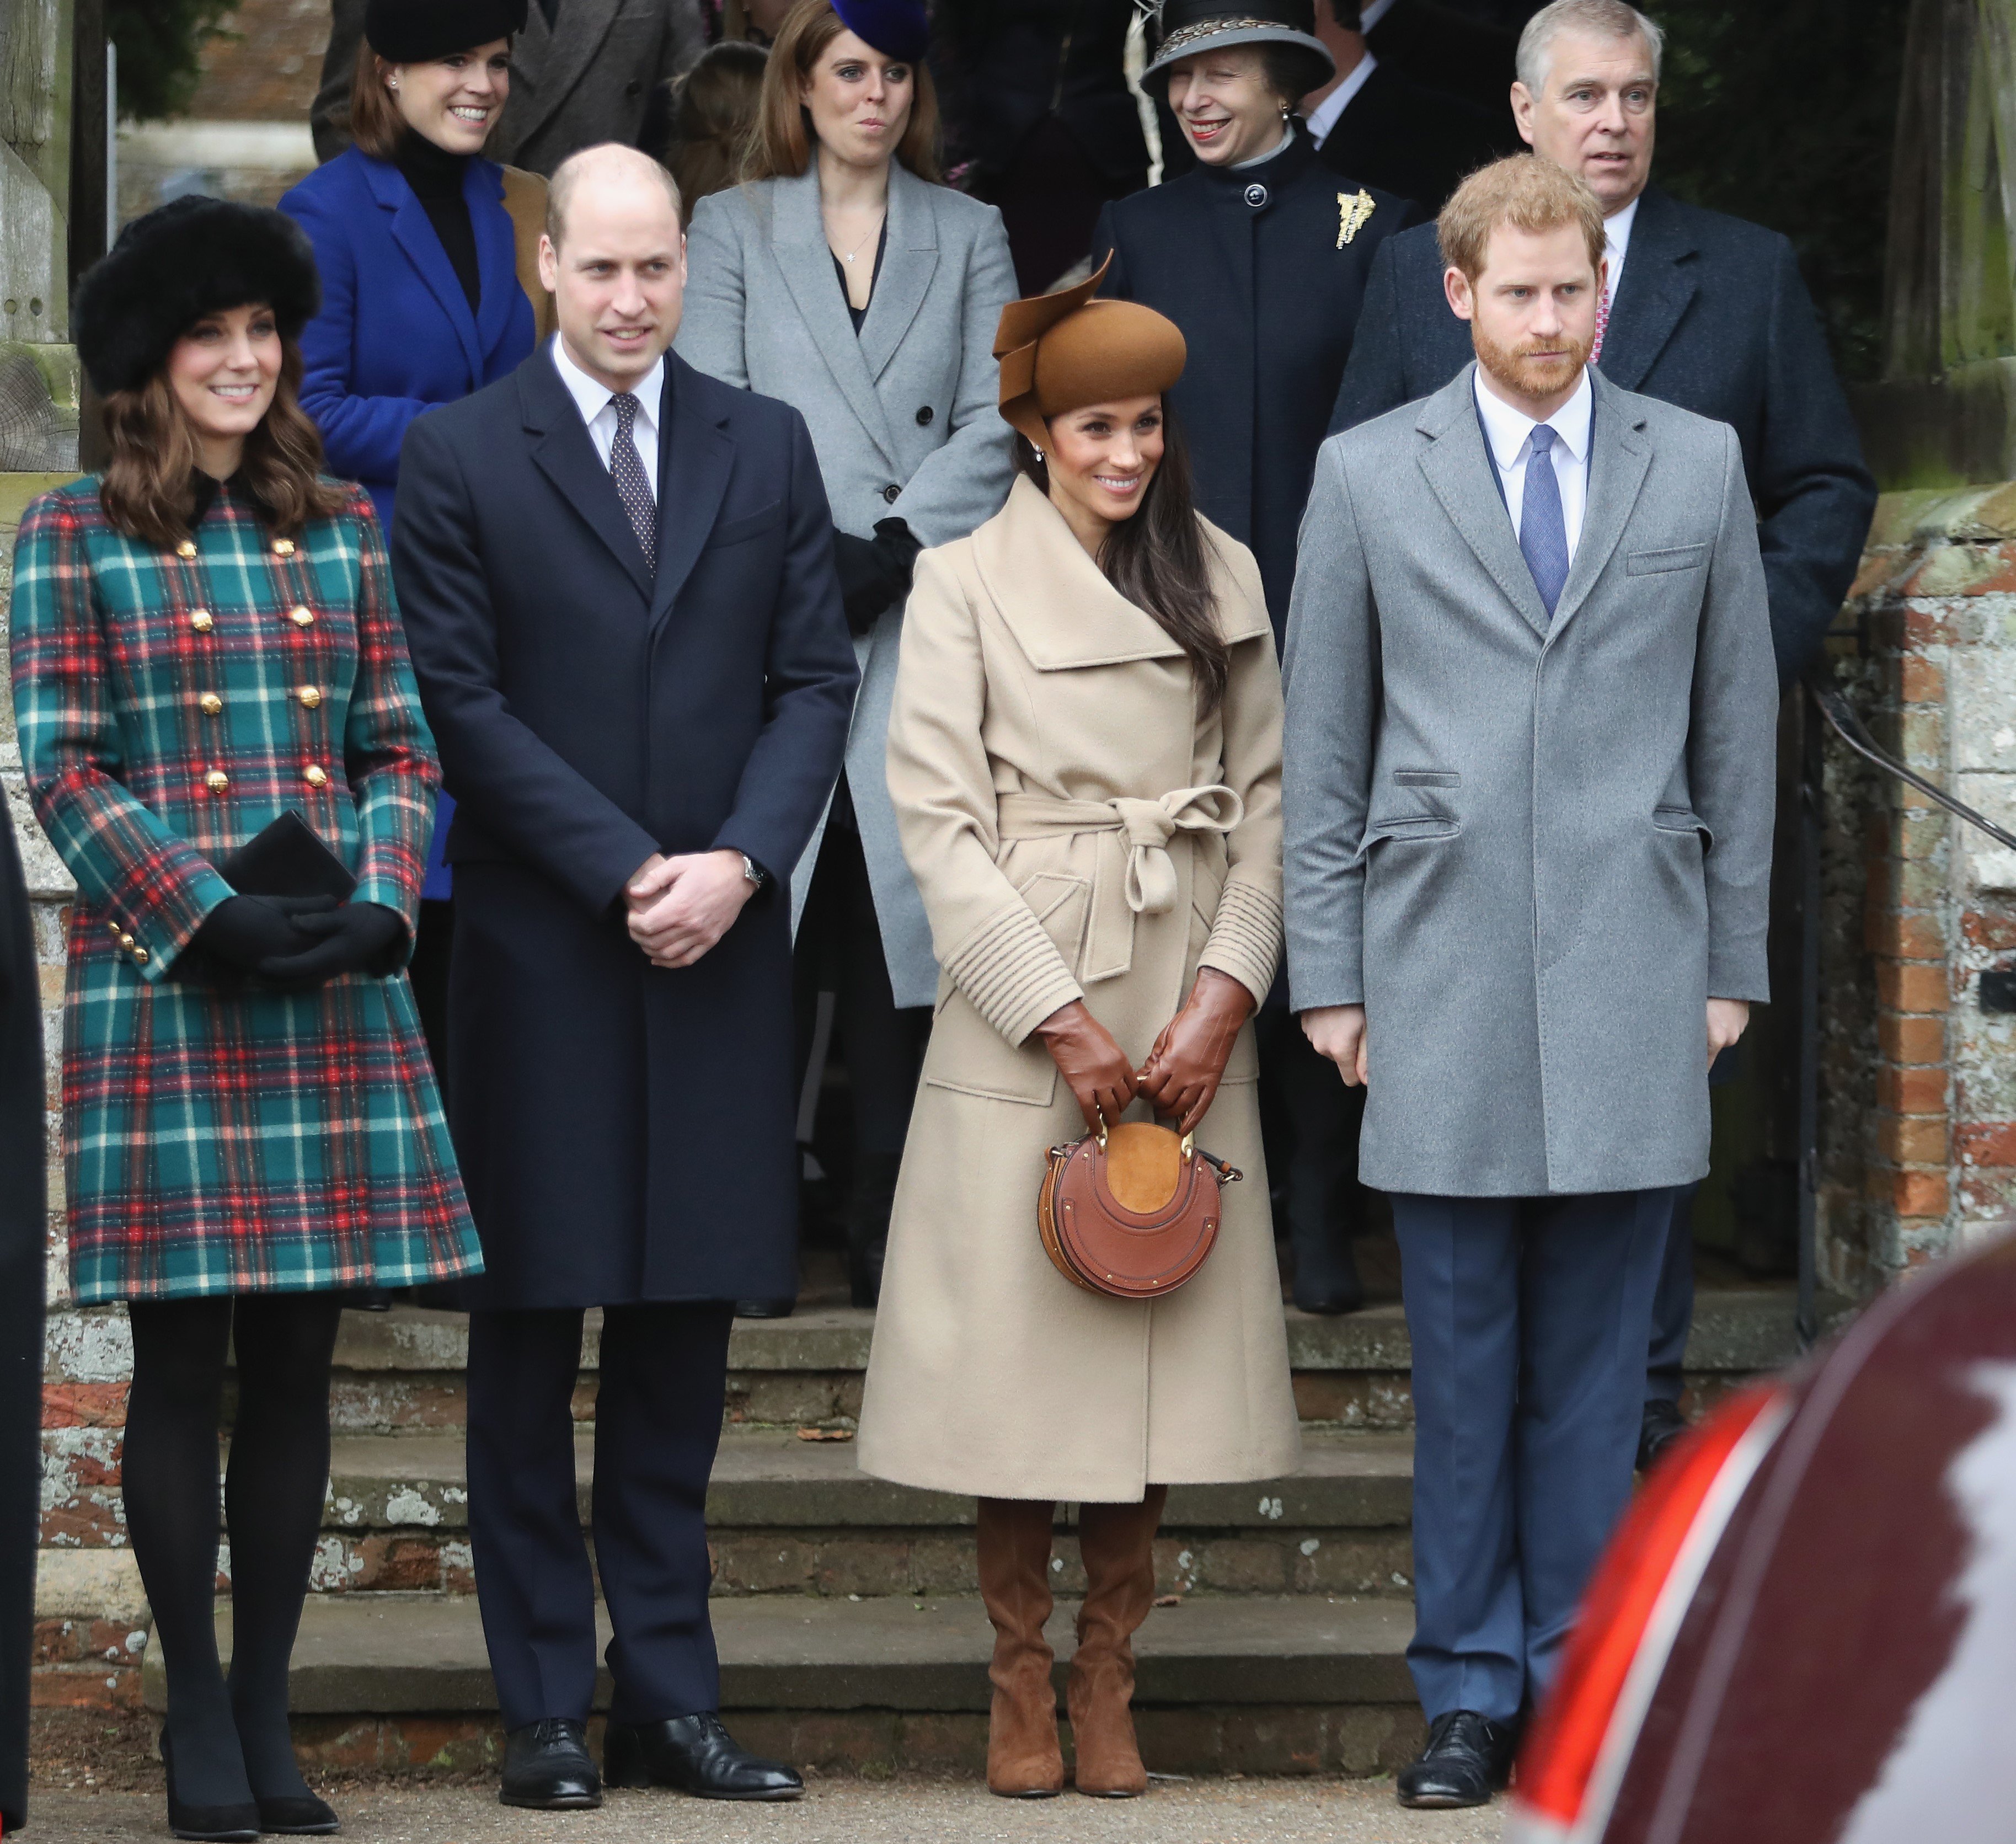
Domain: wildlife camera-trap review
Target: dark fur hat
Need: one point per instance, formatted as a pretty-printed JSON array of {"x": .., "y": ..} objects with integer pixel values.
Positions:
[
  {"x": 195, "y": 256},
  {"x": 412, "y": 32}
]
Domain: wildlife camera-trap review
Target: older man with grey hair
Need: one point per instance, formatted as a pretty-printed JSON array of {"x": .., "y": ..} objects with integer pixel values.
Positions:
[{"x": 1700, "y": 310}]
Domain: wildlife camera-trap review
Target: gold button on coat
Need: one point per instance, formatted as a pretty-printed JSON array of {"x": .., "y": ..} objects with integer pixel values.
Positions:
[
  {"x": 211, "y": 703},
  {"x": 142, "y": 956},
  {"x": 125, "y": 940},
  {"x": 314, "y": 777},
  {"x": 116, "y": 929},
  {"x": 217, "y": 780},
  {"x": 199, "y": 620},
  {"x": 283, "y": 547},
  {"x": 301, "y": 617},
  {"x": 310, "y": 696},
  {"x": 185, "y": 548}
]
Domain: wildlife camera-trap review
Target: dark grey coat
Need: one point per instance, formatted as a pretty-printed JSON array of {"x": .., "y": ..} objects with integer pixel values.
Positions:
[{"x": 1532, "y": 852}]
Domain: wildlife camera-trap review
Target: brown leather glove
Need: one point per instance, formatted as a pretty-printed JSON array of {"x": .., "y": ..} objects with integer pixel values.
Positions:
[
  {"x": 1090, "y": 1061},
  {"x": 1183, "y": 1070}
]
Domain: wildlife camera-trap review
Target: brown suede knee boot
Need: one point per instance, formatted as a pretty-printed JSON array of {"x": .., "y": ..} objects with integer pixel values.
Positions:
[
  {"x": 1118, "y": 1542},
  {"x": 1023, "y": 1761}
]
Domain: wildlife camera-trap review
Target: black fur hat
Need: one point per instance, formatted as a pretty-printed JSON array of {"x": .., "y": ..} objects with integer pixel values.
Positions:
[
  {"x": 412, "y": 31},
  {"x": 195, "y": 256}
]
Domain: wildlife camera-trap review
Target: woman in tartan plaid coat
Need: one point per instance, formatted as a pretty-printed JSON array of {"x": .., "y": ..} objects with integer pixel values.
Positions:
[{"x": 202, "y": 641}]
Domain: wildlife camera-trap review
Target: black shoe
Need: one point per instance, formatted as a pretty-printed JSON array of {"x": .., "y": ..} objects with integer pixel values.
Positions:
[
  {"x": 696, "y": 1754},
  {"x": 210, "y": 1824},
  {"x": 547, "y": 1767},
  {"x": 297, "y": 1815},
  {"x": 764, "y": 1309},
  {"x": 1468, "y": 1758},
  {"x": 875, "y": 1175},
  {"x": 1662, "y": 1425}
]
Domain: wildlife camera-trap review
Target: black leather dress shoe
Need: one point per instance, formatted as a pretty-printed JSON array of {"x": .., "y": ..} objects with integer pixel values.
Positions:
[
  {"x": 1468, "y": 1758},
  {"x": 297, "y": 1815},
  {"x": 547, "y": 1767},
  {"x": 765, "y": 1309},
  {"x": 696, "y": 1754},
  {"x": 1662, "y": 1425}
]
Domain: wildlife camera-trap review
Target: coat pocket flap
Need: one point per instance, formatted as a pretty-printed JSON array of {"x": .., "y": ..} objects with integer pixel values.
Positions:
[
  {"x": 1411, "y": 825},
  {"x": 1683, "y": 557},
  {"x": 1427, "y": 778},
  {"x": 1681, "y": 819},
  {"x": 736, "y": 531}
]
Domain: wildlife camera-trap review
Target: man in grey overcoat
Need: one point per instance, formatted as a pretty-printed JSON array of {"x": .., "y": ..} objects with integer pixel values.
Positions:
[{"x": 1529, "y": 789}]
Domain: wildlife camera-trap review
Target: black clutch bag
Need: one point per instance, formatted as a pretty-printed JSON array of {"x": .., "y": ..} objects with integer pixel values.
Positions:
[{"x": 287, "y": 858}]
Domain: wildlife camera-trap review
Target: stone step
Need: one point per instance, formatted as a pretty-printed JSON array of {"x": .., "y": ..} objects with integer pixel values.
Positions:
[
  {"x": 403, "y": 1369},
  {"x": 1287, "y": 1684},
  {"x": 787, "y": 1516}
]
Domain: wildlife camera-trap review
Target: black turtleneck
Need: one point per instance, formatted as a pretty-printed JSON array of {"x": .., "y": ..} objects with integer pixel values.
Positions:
[{"x": 436, "y": 176}]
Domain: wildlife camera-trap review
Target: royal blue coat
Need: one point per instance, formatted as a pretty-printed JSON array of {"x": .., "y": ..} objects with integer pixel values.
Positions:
[{"x": 395, "y": 335}]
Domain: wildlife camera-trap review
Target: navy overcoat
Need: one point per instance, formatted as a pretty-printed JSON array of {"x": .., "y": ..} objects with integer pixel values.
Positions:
[
  {"x": 625, "y": 1131},
  {"x": 1711, "y": 314},
  {"x": 395, "y": 335},
  {"x": 1264, "y": 269}
]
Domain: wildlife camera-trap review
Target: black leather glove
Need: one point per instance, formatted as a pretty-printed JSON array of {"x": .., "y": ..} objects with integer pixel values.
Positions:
[
  {"x": 359, "y": 938},
  {"x": 243, "y": 930},
  {"x": 874, "y": 572}
]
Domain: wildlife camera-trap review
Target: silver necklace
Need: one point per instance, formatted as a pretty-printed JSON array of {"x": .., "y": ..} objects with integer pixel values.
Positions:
[{"x": 866, "y": 234}]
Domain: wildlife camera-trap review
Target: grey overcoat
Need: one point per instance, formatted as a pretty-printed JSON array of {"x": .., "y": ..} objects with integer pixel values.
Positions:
[
  {"x": 902, "y": 417},
  {"x": 1531, "y": 851}
]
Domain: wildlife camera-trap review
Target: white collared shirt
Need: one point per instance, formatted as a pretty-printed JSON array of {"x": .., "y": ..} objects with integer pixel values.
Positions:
[
  {"x": 1323, "y": 118},
  {"x": 596, "y": 403},
  {"x": 1616, "y": 242},
  {"x": 1509, "y": 433}
]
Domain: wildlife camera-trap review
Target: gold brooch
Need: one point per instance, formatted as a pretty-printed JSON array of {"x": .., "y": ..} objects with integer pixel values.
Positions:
[{"x": 1351, "y": 214}]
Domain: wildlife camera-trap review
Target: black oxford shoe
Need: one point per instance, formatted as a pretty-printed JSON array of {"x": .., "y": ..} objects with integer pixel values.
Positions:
[
  {"x": 696, "y": 1754},
  {"x": 1468, "y": 1758},
  {"x": 1662, "y": 1425},
  {"x": 547, "y": 1766}
]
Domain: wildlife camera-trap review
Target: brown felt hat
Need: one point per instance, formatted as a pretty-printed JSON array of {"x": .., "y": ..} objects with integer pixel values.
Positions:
[{"x": 1061, "y": 351}]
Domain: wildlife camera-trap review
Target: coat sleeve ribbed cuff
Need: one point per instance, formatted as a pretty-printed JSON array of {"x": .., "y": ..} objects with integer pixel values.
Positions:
[
  {"x": 1011, "y": 970},
  {"x": 1246, "y": 938}
]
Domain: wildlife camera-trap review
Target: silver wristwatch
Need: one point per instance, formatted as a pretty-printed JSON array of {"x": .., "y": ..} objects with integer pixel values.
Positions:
[{"x": 754, "y": 871}]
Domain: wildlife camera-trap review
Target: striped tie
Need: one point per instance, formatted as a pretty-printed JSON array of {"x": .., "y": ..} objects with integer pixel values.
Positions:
[{"x": 1602, "y": 323}]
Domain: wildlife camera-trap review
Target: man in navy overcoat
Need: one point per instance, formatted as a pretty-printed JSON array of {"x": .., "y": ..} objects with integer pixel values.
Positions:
[
  {"x": 1701, "y": 310},
  {"x": 617, "y": 576}
]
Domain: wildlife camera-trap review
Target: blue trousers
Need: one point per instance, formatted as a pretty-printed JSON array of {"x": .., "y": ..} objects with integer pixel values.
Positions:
[
  {"x": 1529, "y": 1319},
  {"x": 1673, "y": 1305},
  {"x": 657, "y": 1422}
]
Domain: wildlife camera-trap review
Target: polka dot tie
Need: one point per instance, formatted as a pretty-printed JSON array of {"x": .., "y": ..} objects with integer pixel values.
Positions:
[{"x": 631, "y": 486}]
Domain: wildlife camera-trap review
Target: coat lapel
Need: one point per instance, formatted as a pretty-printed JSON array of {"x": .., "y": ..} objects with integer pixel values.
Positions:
[
  {"x": 1458, "y": 467},
  {"x": 695, "y": 459},
  {"x": 1658, "y": 284},
  {"x": 496, "y": 255},
  {"x": 797, "y": 237},
  {"x": 1618, "y": 457},
  {"x": 567, "y": 456},
  {"x": 415, "y": 236},
  {"x": 909, "y": 263}
]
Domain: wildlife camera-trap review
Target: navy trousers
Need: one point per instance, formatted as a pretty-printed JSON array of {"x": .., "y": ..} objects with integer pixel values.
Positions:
[
  {"x": 657, "y": 1422},
  {"x": 1673, "y": 1305},
  {"x": 1529, "y": 1319}
]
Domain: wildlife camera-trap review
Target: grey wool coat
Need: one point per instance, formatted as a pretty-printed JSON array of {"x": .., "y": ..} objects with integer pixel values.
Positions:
[
  {"x": 903, "y": 420},
  {"x": 1531, "y": 851}
]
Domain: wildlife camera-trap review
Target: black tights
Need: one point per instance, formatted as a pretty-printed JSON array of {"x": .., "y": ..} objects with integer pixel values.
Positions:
[{"x": 229, "y": 1741}]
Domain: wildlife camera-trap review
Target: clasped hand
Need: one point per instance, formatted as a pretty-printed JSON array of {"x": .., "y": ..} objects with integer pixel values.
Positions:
[
  {"x": 679, "y": 907},
  {"x": 1183, "y": 1070}
]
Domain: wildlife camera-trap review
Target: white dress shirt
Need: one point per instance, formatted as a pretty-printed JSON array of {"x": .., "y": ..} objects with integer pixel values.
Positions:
[
  {"x": 596, "y": 403},
  {"x": 1323, "y": 118},
  {"x": 1508, "y": 433},
  {"x": 1616, "y": 242}
]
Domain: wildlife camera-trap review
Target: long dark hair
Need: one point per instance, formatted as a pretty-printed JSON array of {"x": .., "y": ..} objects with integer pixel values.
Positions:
[
  {"x": 149, "y": 490},
  {"x": 1157, "y": 561}
]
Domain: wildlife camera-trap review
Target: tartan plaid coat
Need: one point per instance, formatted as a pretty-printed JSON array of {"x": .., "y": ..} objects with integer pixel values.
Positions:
[{"x": 170, "y": 704}]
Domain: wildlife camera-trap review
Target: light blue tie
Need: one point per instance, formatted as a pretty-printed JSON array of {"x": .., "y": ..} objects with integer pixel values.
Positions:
[{"x": 1544, "y": 532}]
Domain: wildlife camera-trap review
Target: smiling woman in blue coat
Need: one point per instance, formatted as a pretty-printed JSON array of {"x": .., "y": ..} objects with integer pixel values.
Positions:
[
  {"x": 421, "y": 303},
  {"x": 842, "y": 278}
]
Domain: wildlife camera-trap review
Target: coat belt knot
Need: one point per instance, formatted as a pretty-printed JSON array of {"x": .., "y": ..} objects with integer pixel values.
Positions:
[{"x": 1133, "y": 874}]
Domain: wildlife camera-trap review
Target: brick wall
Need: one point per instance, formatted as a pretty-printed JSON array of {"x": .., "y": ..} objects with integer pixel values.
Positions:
[
  {"x": 266, "y": 68},
  {"x": 1919, "y": 1101}
]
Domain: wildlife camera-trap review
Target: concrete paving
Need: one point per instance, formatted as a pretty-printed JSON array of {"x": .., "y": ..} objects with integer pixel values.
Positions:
[{"x": 843, "y": 1812}]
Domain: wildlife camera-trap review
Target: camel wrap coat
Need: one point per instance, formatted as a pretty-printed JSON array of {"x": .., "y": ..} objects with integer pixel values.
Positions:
[{"x": 1078, "y": 829}]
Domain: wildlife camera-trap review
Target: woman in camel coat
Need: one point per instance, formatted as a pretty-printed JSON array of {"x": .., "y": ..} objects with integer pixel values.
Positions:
[{"x": 1089, "y": 798}]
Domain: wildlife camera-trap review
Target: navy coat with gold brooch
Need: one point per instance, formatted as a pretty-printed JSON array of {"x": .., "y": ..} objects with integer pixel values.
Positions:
[
  {"x": 170, "y": 705},
  {"x": 1264, "y": 269}
]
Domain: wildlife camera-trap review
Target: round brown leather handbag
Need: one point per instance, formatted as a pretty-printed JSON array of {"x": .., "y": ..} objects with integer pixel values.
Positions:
[{"x": 1132, "y": 1211}]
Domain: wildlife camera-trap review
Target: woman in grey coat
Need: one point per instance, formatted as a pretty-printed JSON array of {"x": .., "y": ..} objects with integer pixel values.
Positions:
[{"x": 841, "y": 277}]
